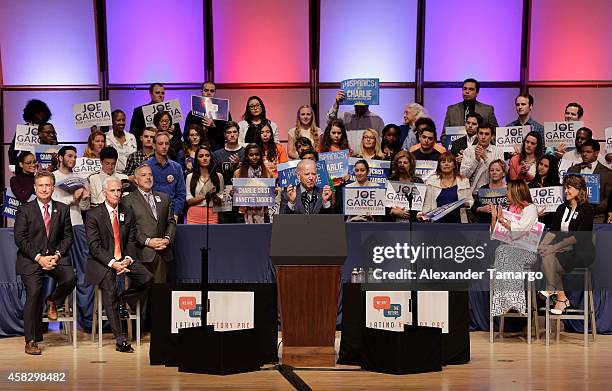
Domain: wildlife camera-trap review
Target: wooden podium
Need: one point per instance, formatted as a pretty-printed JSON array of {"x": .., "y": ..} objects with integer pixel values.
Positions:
[{"x": 308, "y": 251}]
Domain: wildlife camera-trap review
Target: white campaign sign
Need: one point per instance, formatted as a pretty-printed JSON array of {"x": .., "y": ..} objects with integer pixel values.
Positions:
[
  {"x": 509, "y": 137},
  {"x": 432, "y": 309},
  {"x": 425, "y": 168},
  {"x": 547, "y": 199},
  {"x": 226, "y": 205},
  {"x": 397, "y": 195},
  {"x": 564, "y": 165},
  {"x": 228, "y": 310},
  {"x": 26, "y": 138},
  {"x": 362, "y": 200},
  {"x": 85, "y": 166},
  {"x": 608, "y": 133},
  {"x": 354, "y": 139},
  {"x": 88, "y": 114},
  {"x": 556, "y": 133},
  {"x": 388, "y": 310},
  {"x": 172, "y": 106}
]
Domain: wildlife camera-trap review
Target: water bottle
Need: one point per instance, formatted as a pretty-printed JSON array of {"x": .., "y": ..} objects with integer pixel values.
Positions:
[
  {"x": 354, "y": 276},
  {"x": 361, "y": 275},
  {"x": 371, "y": 275}
]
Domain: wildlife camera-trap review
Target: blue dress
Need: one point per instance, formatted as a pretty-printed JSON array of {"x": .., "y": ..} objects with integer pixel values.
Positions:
[{"x": 447, "y": 196}]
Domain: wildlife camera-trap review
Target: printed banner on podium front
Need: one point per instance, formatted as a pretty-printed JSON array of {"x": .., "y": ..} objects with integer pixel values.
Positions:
[
  {"x": 86, "y": 115},
  {"x": 228, "y": 310},
  {"x": 253, "y": 191},
  {"x": 172, "y": 106},
  {"x": 213, "y": 108},
  {"x": 388, "y": 310},
  {"x": 556, "y": 133},
  {"x": 527, "y": 240},
  {"x": 397, "y": 194},
  {"x": 360, "y": 91}
]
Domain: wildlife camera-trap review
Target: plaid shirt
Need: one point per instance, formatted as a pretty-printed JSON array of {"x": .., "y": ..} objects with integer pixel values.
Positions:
[{"x": 134, "y": 160}]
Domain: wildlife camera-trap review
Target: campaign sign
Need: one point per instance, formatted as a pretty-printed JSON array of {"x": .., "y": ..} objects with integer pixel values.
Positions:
[
  {"x": 556, "y": 133},
  {"x": 172, "y": 106},
  {"x": 432, "y": 309},
  {"x": 608, "y": 133},
  {"x": 26, "y": 138},
  {"x": 226, "y": 200},
  {"x": 493, "y": 196},
  {"x": 397, "y": 195},
  {"x": 287, "y": 174},
  {"x": 253, "y": 191},
  {"x": 379, "y": 170},
  {"x": 564, "y": 165},
  {"x": 84, "y": 167},
  {"x": 363, "y": 91},
  {"x": 441, "y": 211},
  {"x": 388, "y": 310},
  {"x": 425, "y": 168},
  {"x": 227, "y": 310},
  {"x": 547, "y": 198},
  {"x": 72, "y": 184},
  {"x": 337, "y": 163},
  {"x": 525, "y": 240},
  {"x": 9, "y": 205},
  {"x": 213, "y": 108},
  {"x": 593, "y": 183},
  {"x": 509, "y": 137},
  {"x": 364, "y": 200},
  {"x": 44, "y": 154},
  {"x": 453, "y": 133},
  {"x": 86, "y": 115}
]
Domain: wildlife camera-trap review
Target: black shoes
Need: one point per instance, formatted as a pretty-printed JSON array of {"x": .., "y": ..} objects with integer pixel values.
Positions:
[
  {"x": 123, "y": 312},
  {"x": 124, "y": 347}
]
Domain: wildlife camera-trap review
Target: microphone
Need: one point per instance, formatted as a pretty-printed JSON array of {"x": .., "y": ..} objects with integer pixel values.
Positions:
[{"x": 409, "y": 196}]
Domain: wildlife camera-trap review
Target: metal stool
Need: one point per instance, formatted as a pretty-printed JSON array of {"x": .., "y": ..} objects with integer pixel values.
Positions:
[
  {"x": 578, "y": 314},
  {"x": 70, "y": 316},
  {"x": 98, "y": 316},
  {"x": 532, "y": 312}
]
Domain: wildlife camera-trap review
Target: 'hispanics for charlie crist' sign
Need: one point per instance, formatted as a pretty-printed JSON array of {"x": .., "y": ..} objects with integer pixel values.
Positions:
[
  {"x": 337, "y": 162},
  {"x": 88, "y": 114},
  {"x": 253, "y": 191},
  {"x": 172, "y": 106},
  {"x": 557, "y": 133},
  {"x": 363, "y": 91}
]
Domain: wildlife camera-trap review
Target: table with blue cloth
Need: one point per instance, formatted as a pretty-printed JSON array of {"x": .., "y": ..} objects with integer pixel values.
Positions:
[{"x": 240, "y": 254}]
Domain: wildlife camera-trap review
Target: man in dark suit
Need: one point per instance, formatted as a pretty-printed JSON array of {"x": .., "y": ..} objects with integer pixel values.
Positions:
[
  {"x": 472, "y": 123},
  {"x": 111, "y": 234},
  {"x": 589, "y": 151},
  {"x": 43, "y": 234},
  {"x": 306, "y": 198},
  {"x": 214, "y": 128},
  {"x": 157, "y": 92},
  {"x": 155, "y": 224},
  {"x": 457, "y": 114}
]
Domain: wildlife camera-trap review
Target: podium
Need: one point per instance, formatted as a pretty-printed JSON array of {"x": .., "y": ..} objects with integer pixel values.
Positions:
[{"x": 308, "y": 251}]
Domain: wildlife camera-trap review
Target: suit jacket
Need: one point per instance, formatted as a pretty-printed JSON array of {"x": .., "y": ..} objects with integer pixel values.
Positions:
[
  {"x": 101, "y": 240},
  {"x": 460, "y": 144},
  {"x": 149, "y": 227},
  {"x": 299, "y": 205},
  {"x": 31, "y": 237},
  {"x": 455, "y": 116},
  {"x": 605, "y": 186},
  {"x": 580, "y": 227}
]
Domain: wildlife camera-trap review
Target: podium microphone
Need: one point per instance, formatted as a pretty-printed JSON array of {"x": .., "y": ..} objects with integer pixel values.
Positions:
[{"x": 409, "y": 196}]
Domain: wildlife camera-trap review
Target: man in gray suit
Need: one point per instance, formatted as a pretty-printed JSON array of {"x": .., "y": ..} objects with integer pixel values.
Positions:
[
  {"x": 155, "y": 224},
  {"x": 456, "y": 114},
  {"x": 589, "y": 151},
  {"x": 306, "y": 198}
]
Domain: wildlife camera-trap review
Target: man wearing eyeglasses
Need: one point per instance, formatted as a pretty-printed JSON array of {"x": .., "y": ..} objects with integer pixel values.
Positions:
[{"x": 214, "y": 128}]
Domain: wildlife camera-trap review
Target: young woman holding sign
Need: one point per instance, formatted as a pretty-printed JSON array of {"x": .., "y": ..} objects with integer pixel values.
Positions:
[
  {"x": 563, "y": 247},
  {"x": 509, "y": 294},
  {"x": 163, "y": 123},
  {"x": 362, "y": 170},
  {"x": 547, "y": 174},
  {"x": 204, "y": 182},
  {"x": 253, "y": 166},
  {"x": 95, "y": 142},
  {"x": 194, "y": 138},
  {"x": 273, "y": 153},
  {"x": 447, "y": 185},
  {"x": 22, "y": 184},
  {"x": 497, "y": 173},
  {"x": 403, "y": 169},
  {"x": 523, "y": 165},
  {"x": 305, "y": 126}
]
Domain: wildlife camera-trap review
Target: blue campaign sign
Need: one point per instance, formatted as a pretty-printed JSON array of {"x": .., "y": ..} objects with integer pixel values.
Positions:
[
  {"x": 44, "y": 154},
  {"x": 213, "y": 108},
  {"x": 379, "y": 171},
  {"x": 337, "y": 163},
  {"x": 493, "y": 196},
  {"x": 9, "y": 205},
  {"x": 592, "y": 183},
  {"x": 253, "y": 191},
  {"x": 287, "y": 174},
  {"x": 453, "y": 133},
  {"x": 362, "y": 91}
]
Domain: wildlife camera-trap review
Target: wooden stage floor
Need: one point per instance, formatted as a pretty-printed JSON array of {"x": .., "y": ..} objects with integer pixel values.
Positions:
[{"x": 507, "y": 365}]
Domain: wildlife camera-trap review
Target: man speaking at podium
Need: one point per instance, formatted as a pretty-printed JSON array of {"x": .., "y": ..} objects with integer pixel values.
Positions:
[{"x": 305, "y": 197}]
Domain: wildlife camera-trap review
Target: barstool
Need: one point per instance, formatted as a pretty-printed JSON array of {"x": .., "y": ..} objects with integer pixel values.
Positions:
[
  {"x": 532, "y": 312},
  {"x": 98, "y": 316},
  {"x": 575, "y": 313},
  {"x": 69, "y": 316}
]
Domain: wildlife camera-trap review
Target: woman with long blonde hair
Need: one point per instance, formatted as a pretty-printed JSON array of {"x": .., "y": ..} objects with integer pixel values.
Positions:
[
  {"x": 370, "y": 147},
  {"x": 95, "y": 143},
  {"x": 305, "y": 126}
]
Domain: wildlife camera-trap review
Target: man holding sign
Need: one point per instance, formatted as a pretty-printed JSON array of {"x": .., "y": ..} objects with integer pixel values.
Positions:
[
  {"x": 157, "y": 93},
  {"x": 306, "y": 198},
  {"x": 78, "y": 200},
  {"x": 590, "y": 165},
  {"x": 359, "y": 119},
  {"x": 214, "y": 128}
]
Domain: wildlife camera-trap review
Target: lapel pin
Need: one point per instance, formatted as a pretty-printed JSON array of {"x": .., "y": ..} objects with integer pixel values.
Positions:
[
  {"x": 170, "y": 178},
  {"x": 157, "y": 198},
  {"x": 121, "y": 217}
]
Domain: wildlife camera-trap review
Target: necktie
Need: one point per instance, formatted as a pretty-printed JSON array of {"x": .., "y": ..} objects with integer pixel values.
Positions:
[
  {"x": 152, "y": 204},
  {"x": 47, "y": 218},
  {"x": 116, "y": 237},
  {"x": 306, "y": 202},
  {"x": 587, "y": 165}
]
